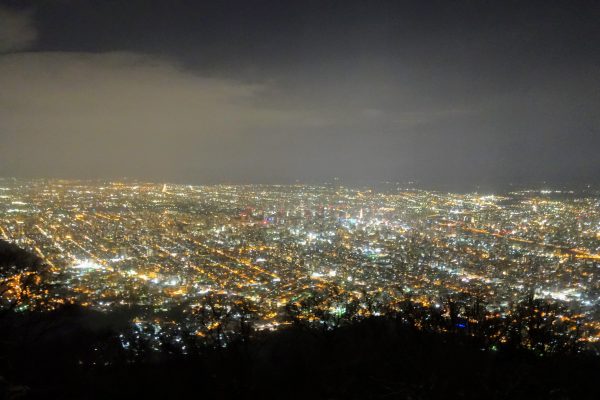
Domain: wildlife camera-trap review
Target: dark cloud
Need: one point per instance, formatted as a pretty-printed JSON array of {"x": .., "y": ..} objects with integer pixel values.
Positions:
[
  {"x": 17, "y": 30},
  {"x": 459, "y": 92},
  {"x": 119, "y": 113}
]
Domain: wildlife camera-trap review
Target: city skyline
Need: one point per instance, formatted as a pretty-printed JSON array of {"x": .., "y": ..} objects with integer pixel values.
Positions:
[{"x": 303, "y": 199}]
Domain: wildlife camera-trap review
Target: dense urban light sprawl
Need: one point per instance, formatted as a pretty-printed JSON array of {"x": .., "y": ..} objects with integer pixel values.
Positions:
[
  {"x": 299, "y": 199},
  {"x": 159, "y": 246}
]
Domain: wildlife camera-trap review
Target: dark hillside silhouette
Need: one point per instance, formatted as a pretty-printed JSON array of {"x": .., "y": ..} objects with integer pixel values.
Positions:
[
  {"x": 378, "y": 358},
  {"x": 410, "y": 352},
  {"x": 12, "y": 256}
]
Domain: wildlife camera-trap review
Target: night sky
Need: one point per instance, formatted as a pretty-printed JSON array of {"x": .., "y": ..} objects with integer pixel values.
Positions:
[{"x": 449, "y": 92}]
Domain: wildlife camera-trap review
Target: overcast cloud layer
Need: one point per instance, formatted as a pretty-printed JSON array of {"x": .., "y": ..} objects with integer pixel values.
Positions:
[
  {"x": 227, "y": 92},
  {"x": 16, "y": 30}
]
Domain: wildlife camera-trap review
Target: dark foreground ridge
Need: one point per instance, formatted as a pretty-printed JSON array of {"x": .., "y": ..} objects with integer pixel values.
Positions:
[
  {"x": 12, "y": 256},
  {"x": 71, "y": 353}
]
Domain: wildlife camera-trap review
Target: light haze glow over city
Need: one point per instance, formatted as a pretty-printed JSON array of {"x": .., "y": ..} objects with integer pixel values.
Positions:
[{"x": 336, "y": 199}]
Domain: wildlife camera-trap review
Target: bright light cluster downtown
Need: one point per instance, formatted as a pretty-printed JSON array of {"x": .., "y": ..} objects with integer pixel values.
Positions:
[{"x": 157, "y": 247}]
